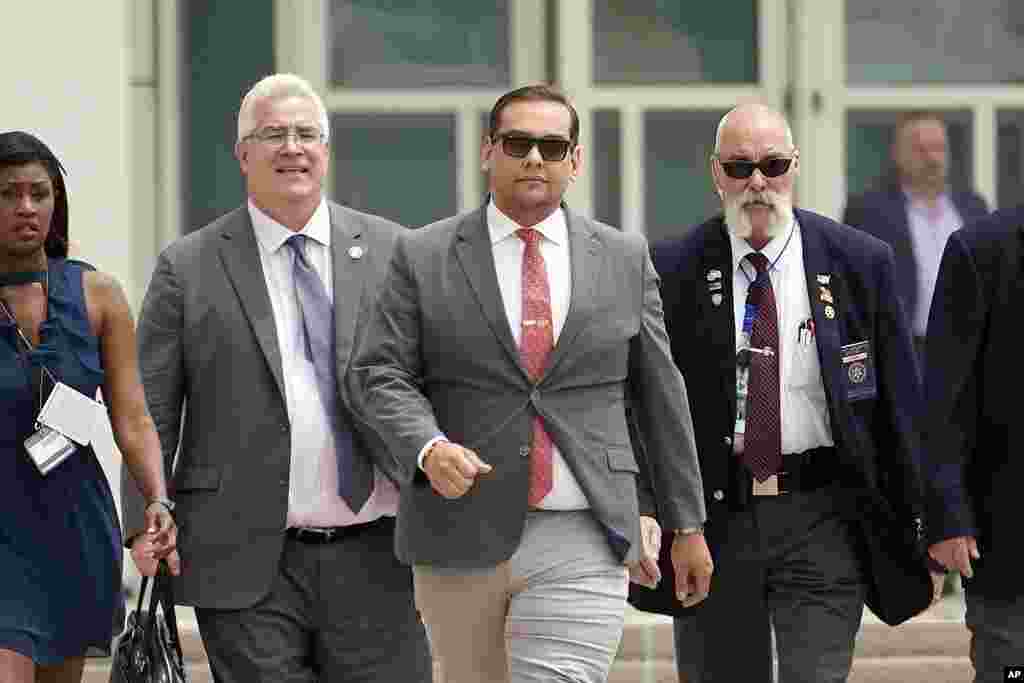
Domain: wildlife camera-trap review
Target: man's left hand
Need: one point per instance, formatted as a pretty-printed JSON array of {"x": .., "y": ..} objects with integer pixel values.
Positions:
[
  {"x": 691, "y": 560},
  {"x": 646, "y": 571}
]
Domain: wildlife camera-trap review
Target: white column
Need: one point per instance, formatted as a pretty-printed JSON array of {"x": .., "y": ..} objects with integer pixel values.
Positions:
[
  {"x": 986, "y": 157},
  {"x": 76, "y": 99}
]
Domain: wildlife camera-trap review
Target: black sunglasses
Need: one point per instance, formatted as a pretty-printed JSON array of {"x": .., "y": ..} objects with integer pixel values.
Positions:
[
  {"x": 769, "y": 168},
  {"x": 518, "y": 146}
]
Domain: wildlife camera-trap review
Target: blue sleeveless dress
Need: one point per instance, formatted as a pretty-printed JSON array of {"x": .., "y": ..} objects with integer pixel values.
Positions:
[{"x": 60, "y": 539}]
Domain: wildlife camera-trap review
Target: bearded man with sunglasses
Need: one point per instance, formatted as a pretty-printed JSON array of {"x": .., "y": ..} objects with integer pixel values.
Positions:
[
  {"x": 787, "y": 327},
  {"x": 509, "y": 350}
]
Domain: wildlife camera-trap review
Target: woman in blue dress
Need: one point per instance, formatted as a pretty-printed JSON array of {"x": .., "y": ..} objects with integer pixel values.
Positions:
[{"x": 60, "y": 539}]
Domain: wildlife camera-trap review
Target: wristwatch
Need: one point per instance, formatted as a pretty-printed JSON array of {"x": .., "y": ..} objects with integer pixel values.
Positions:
[
  {"x": 690, "y": 530},
  {"x": 166, "y": 502}
]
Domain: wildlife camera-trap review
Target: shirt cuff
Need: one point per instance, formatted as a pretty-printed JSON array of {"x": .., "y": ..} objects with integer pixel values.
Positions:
[{"x": 423, "y": 451}]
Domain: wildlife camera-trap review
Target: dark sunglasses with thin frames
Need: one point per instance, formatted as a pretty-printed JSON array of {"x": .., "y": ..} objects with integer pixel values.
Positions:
[
  {"x": 518, "y": 146},
  {"x": 741, "y": 169}
]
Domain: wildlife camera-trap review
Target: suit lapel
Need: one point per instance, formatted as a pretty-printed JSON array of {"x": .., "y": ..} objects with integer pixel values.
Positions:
[
  {"x": 240, "y": 255},
  {"x": 818, "y": 266},
  {"x": 476, "y": 258},
  {"x": 585, "y": 261},
  {"x": 717, "y": 268},
  {"x": 350, "y": 267}
]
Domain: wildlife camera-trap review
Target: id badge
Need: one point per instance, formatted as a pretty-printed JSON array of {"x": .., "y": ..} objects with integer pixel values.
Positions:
[
  {"x": 71, "y": 413},
  {"x": 858, "y": 371},
  {"x": 48, "y": 448}
]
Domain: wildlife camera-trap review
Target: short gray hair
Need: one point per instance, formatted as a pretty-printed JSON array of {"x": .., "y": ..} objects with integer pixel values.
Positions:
[{"x": 277, "y": 87}]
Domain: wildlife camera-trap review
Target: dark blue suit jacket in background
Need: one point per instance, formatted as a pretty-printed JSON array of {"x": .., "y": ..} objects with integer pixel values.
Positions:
[
  {"x": 883, "y": 213},
  {"x": 974, "y": 379}
]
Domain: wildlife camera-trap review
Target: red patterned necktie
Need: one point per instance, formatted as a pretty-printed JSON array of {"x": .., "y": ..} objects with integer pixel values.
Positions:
[
  {"x": 535, "y": 343},
  {"x": 762, "y": 440}
]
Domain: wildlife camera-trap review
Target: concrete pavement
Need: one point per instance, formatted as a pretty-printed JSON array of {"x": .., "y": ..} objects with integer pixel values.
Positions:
[{"x": 931, "y": 647}]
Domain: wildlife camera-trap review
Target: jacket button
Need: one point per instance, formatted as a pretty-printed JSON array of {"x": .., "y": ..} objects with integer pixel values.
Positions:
[
  {"x": 283, "y": 481},
  {"x": 284, "y": 427},
  {"x": 524, "y": 451},
  {"x": 728, "y": 440},
  {"x": 718, "y": 494}
]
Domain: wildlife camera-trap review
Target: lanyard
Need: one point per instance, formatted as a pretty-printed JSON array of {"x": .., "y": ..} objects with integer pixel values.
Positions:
[{"x": 28, "y": 344}]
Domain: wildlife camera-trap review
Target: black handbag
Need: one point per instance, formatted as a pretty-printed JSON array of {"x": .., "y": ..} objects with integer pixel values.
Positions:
[{"x": 149, "y": 649}]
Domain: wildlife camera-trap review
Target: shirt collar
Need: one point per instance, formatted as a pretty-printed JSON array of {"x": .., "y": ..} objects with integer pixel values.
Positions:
[
  {"x": 502, "y": 227},
  {"x": 772, "y": 250},
  {"x": 942, "y": 202},
  {"x": 272, "y": 235}
]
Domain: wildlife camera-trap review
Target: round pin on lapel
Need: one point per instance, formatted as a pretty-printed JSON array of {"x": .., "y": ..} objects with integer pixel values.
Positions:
[
  {"x": 355, "y": 253},
  {"x": 830, "y": 312}
]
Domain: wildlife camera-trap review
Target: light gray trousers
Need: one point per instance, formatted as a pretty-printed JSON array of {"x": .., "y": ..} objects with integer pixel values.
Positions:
[{"x": 553, "y": 612}]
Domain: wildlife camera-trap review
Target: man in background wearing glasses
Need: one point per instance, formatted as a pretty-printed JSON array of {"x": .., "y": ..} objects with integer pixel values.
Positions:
[
  {"x": 787, "y": 328},
  {"x": 286, "y": 505},
  {"x": 510, "y": 345}
]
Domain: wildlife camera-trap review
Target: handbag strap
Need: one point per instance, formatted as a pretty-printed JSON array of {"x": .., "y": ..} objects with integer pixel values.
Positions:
[{"x": 161, "y": 595}]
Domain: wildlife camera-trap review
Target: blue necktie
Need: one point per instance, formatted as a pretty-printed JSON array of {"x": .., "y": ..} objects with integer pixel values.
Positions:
[{"x": 355, "y": 475}]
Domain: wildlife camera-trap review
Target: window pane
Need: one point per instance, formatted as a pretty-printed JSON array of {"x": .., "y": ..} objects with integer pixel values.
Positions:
[
  {"x": 659, "y": 41},
  {"x": 954, "y": 41},
  {"x": 418, "y": 44},
  {"x": 869, "y": 141},
  {"x": 400, "y": 166},
  {"x": 677, "y": 171},
  {"x": 607, "y": 179},
  {"x": 1010, "y": 187}
]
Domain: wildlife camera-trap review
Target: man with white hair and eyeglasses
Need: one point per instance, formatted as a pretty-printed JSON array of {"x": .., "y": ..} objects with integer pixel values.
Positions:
[
  {"x": 285, "y": 501},
  {"x": 787, "y": 328}
]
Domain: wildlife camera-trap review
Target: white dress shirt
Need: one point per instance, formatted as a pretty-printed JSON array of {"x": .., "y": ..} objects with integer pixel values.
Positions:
[
  {"x": 803, "y": 405},
  {"x": 313, "y": 498},
  {"x": 930, "y": 228}
]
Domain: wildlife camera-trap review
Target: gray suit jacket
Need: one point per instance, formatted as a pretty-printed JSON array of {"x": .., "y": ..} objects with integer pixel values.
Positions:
[
  {"x": 208, "y": 345},
  {"x": 440, "y": 357}
]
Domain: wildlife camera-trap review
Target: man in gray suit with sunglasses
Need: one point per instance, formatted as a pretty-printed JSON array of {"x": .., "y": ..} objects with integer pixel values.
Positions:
[{"x": 511, "y": 349}]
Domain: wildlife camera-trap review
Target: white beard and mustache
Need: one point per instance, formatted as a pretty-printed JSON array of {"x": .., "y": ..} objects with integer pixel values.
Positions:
[{"x": 738, "y": 221}]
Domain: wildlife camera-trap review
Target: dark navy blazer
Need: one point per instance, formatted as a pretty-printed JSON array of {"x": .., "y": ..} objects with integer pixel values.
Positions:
[
  {"x": 883, "y": 213},
  {"x": 973, "y": 383},
  {"x": 877, "y": 438}
]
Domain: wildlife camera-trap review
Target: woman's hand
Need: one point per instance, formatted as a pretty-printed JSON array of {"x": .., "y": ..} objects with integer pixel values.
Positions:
[{"x": 158, "y": 542}]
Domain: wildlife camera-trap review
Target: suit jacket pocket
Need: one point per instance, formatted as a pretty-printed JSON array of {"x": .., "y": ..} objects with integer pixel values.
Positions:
[
  {"x": 197, "y": 478},
  {"x": 622, "y": 460}
]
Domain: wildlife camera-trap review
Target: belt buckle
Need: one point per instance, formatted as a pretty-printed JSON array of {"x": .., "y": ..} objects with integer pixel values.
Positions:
[
  {"x": 768, "y": 487},
  {"x": 327, "y": 534}
]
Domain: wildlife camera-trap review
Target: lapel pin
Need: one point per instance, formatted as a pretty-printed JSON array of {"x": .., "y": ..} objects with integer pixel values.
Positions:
[
  {"x": 716, "y": 299},
  {"x": 714, "y": 274},
  {"x": 824, "y": 278},
  {"x": 826, "y": 295},
  {"x": 830, "y": 312},
  {"x": 714, "y": 286},
  {"x": 355, "y": 253}
]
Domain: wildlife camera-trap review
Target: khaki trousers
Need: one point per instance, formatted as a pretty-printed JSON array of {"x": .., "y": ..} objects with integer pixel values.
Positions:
[{"x": 553, "y": 611}]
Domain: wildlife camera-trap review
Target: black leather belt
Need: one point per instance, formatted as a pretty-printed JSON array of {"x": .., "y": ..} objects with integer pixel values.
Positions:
[
  {"x": 813, "y": 469},
  {"x": 330, "y": 534}
]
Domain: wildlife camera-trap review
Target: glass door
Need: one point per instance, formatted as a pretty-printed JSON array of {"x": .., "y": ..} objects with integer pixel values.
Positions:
[
  {"x": 409, "y": 84},
  {"x": 861, "y": 63}
]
